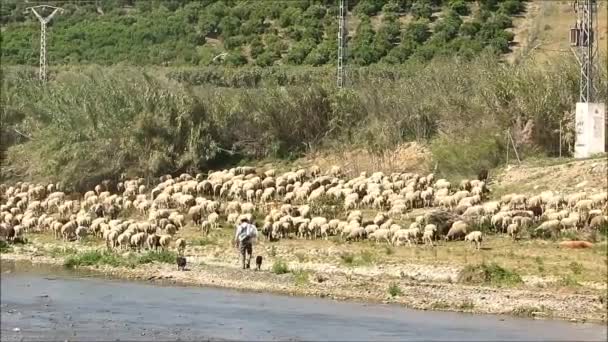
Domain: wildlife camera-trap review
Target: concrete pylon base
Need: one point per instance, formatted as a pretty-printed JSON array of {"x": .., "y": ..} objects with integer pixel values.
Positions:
[{"x": 590, "y": 129}]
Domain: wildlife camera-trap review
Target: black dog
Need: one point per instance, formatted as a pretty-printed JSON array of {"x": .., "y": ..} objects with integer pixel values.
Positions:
[
  {"x": 258, "y": 262},
  {"x": 181, "y": 263},
  {"x": 482, "y": 175}
]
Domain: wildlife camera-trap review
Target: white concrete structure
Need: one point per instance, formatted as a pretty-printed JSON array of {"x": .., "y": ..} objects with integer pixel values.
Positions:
[{"x": 590, "y": 129}]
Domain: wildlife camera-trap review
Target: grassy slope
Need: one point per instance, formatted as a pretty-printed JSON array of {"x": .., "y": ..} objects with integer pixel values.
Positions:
[{"x": 542, "y": 32}]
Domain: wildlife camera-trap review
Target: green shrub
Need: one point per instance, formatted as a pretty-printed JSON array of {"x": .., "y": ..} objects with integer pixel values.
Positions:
[
  {"x": 280, "y": 267},
  {"x": 466, "y": 305},
  {"x": 576, "y": 268},
  {"x": 394, "y": 290},
  {"x": 525, "y": 311},
  {"x": 300, "y": 277},
  {"x": 366, "y": 258},
  {"x": 94, "y": 258},
  {"x": 347, "y": 258},
  {"x": 167, "y": 257},
  {"x": 490, "y": 274},
  {"x": 464, "y": 153},
  {"x": 5, "y": 247},
  {"x": 568, "y": 281}
]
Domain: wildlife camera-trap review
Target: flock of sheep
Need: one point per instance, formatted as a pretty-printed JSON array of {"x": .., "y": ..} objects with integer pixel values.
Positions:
[{"x": 129, "y": 215}]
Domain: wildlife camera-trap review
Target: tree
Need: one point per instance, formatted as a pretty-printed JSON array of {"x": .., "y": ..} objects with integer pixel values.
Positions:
[
  {"x": 387, "y": 36},
  {"x": 297, "y": 54},
  {"x": 257, "y": 47},
  {"x": 290, "y": 16},
  {"x": 421, "y": 9},
  {"x": 363, "y": 52},
  {"x": 417, "y": 32},
  {"x": 235, "y": 58},
  {"x": 229, "y": 26},
  {"x": 460, "y": 7},
  {"x": 265, "y": 59},
  {"x": 448, "y": 26},
  {"x": 511, "y": 7}
]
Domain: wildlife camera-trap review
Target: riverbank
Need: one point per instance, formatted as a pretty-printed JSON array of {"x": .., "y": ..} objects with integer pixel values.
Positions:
[
  {"x": 413, "y": 285},
  {"x": 41, "y": 304}
]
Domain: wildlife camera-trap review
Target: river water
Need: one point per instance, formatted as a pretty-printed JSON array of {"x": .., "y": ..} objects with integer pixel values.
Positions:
[{"x": 58, "y": 305}]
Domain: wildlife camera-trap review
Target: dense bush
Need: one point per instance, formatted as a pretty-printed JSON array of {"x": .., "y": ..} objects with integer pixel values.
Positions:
[
  {"x": 90, "y": 123},
  {"x": 264, "y": 33}
]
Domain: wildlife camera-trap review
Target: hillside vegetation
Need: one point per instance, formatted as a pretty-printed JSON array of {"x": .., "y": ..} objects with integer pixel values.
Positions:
[
  {"x": 91, "y": 123},
  {"x": 263, "y": 33},
  {"x": 453, "y": 92}
]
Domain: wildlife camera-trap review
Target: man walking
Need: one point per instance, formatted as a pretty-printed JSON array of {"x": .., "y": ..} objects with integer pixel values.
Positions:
[{"x": 243, "y": 239}]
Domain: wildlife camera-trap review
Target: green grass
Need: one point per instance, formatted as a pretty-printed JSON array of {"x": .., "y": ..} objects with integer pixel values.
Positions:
[
  {"x": 466, "y": 305},
  {"x": 61, "y": 251},
  {"x": 273, "y": 251},
  {"x": 302, "y": 257},
  {"x": 568, "y": 281},
  {"x": 388, "y": 250},
  {"x": 280, "y": 267},
  {"x": 576, "y": 268},
  {"x": 4, "y": 247},
  {"x": 206, "y": 241},
  {"x": 364, "y": 258},
  {"x": 166, "y": 257},
  {"x": 301, "y": 277},
  {"x": 347, "y": 258},
  {"x": 97, "y": 258},
  {"x": 528, "y": 311},
  {"x": 394, "y": 290},
  {"x": 440, "y": 305},
  {"x": 489, "y": 274}
]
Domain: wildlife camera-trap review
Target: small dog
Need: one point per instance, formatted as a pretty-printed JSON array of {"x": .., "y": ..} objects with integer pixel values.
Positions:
[
  {"x": 258, "y": 262},
  {"x": 181, "y": 263}
]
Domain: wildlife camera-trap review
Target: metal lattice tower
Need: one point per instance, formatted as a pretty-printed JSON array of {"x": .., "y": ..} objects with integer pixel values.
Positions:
[
  {"x": 342, "y": 42},
  {"x": 582, "y": 40},
  {"x": 43, "y": 22}
]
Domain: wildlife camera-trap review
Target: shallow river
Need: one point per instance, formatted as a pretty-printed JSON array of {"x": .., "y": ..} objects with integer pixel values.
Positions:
[{"x": 57, "y": 305}]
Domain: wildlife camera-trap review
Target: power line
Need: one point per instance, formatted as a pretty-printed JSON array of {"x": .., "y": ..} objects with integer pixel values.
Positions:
[
  {"x": 582, "y": 40},
  {"x": 342, "y": 42},
  {"x": 43, "y": 22}
]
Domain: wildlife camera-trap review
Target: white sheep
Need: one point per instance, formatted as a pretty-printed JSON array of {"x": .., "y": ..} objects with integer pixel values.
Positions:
[
  {"x": 180, "y": 245},
  {"x": 430, "y": 230},
  {"x": 380, "y": 235},
  {"x": 475, "y": 237}
]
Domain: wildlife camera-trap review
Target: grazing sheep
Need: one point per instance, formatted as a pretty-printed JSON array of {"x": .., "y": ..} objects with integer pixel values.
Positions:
[
  {"x": 598, "y": 221},
  {"x": 551, "y": 226},
  {"x": 80, "y": 232},
  {"x": 513, "y": 230},
  {"x": 153, "y": 242},
  {"x": 164, "y": 241},
  {"x": 380, "y": 235},
  {"x": 430, "y": 230},
  {"x": 474, "y": 237},
  {"x": 356, "y": 234},
  {"x": 457, "y": 231},
  {"x": 409, "y": 235},
  {"x": 180, "y": 245}
]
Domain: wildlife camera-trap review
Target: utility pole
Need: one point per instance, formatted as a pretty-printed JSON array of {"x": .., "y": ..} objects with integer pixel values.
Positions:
[
  {"x": 582, "y": 40},
  {"x": 342, "y": 42},
  {"x": 590, "y": 116},
  {"x": 43, "y": 22}
]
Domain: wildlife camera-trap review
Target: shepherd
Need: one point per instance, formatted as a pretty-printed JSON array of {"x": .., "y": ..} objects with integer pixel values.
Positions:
[{"x": 244, "y": 237}]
